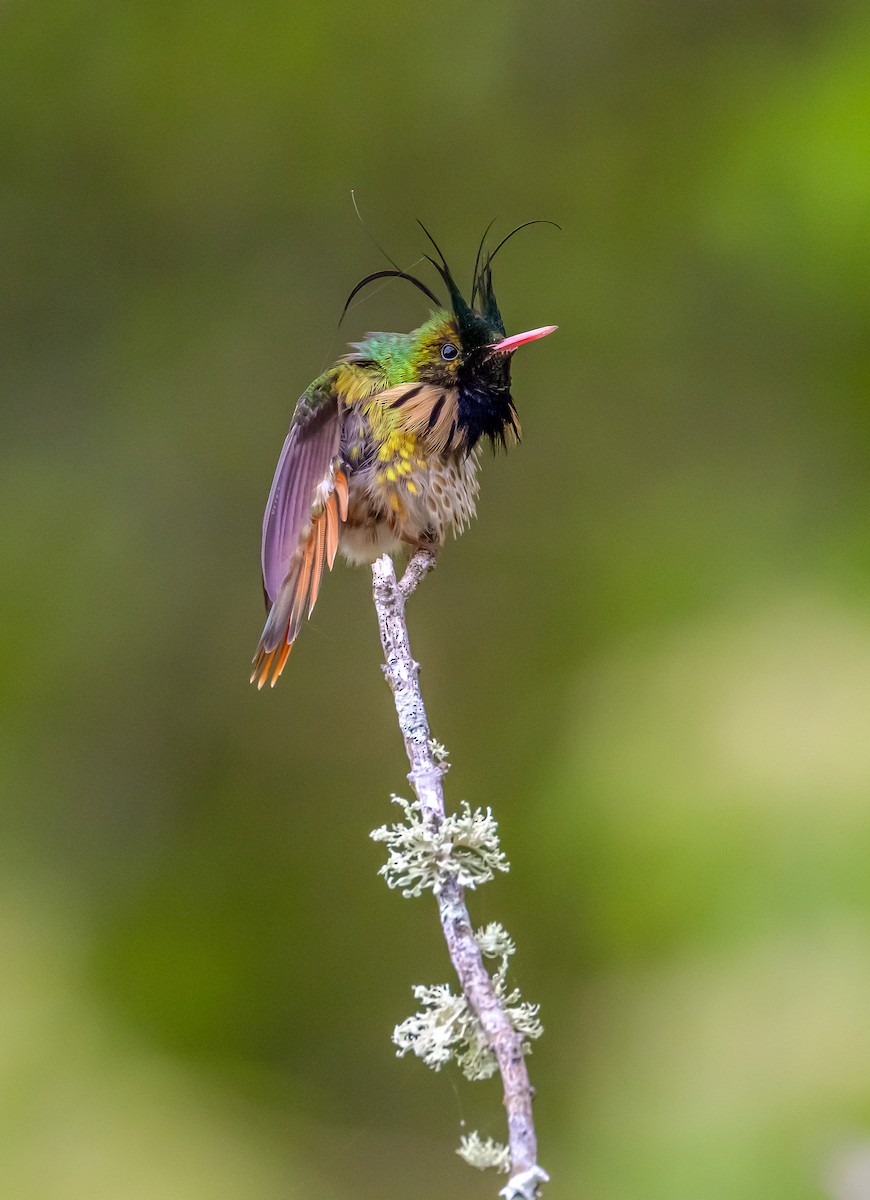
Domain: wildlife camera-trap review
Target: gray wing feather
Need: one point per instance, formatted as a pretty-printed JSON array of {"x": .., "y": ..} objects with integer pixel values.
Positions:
[{"x": 305, "y": 461}]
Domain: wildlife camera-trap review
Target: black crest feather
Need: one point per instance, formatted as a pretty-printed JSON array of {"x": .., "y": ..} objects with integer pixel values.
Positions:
[
  {"x": 481, "y": 287},
  {"x": 390, "y": 275},
  {"x": 457, "y": 300}
]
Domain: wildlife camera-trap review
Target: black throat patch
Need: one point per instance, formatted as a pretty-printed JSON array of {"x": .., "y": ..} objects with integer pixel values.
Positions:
[{"x": 486, "y": 411}]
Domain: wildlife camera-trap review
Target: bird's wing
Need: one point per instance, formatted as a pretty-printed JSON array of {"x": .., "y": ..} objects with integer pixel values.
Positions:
[{"x": 307, "y": 506}]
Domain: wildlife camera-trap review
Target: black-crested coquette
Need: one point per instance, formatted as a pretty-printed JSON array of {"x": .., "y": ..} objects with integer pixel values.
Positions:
[{"x": 383, "y": 448}]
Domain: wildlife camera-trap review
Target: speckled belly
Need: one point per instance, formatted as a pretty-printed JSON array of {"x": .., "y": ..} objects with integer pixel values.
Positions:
[{"x": 399, "y": 499}]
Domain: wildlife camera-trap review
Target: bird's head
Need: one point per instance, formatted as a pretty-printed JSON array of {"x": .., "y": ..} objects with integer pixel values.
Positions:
[{"x": 463, "y": 349}]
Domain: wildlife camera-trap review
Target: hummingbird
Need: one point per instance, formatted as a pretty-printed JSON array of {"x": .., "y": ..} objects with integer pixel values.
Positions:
[{"x": 384, "y": 447}]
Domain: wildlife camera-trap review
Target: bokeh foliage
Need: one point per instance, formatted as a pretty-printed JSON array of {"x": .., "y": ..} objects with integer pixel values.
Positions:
[{"x": 651, "y": 655}]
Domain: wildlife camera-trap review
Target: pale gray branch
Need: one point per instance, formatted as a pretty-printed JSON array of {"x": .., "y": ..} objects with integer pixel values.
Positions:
[{"x": 426, "y": 774}]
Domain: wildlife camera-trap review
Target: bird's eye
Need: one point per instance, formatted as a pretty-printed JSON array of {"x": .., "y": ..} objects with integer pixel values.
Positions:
[{"x": 449, "y": 352}]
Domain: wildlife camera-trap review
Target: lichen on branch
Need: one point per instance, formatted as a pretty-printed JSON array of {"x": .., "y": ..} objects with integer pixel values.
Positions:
[
  {"x": 424, "y": 855},
  {"x": 447, "y": 1028},
  {"x": 486, "y": 1026},
  {"x": 485, "y": 1155}
]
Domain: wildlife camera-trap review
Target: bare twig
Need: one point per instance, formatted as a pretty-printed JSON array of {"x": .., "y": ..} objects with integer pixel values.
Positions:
[{"x": 426, "y": 773}]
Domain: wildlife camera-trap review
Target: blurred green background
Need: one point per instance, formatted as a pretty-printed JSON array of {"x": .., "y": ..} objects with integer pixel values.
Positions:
[{"x": 651, "y": 654}]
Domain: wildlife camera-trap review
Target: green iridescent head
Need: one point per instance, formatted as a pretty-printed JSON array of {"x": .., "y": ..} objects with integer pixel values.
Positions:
[{"x": 464, "y": 347}]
